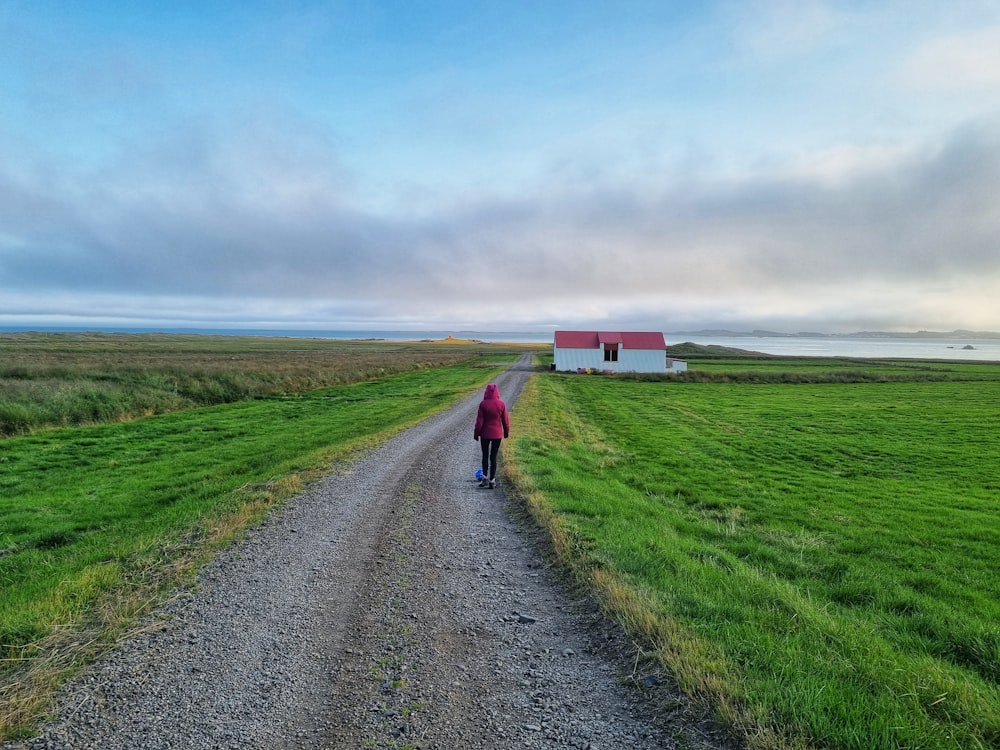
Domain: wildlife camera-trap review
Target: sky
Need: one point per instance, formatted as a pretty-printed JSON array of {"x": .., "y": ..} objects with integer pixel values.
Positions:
[{"x": 789, "y": 165}]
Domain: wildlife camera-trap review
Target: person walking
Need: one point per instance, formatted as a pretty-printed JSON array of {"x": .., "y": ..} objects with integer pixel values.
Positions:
[{"x": 492, "y": 426}]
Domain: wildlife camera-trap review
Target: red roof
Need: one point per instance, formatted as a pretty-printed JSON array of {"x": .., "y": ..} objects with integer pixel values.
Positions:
[
  {"x": 595, "y": 339},
  {"x": 577, "y": 340}
]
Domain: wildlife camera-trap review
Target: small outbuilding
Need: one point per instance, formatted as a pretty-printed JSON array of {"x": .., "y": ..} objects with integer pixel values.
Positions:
[{"x": 613, "y": 351}]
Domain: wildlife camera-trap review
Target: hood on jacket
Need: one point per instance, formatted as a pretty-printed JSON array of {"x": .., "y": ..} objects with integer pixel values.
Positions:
[{"x": 492, "y": 391}]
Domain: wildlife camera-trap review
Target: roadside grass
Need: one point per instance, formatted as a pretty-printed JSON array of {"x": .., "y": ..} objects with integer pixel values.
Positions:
[
  {"x": 99, "y": 523},
  {"x": 816, "y": 560}
]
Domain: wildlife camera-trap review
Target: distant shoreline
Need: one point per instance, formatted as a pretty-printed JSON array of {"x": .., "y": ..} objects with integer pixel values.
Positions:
[
  {"x": 759, "y": 334},
  {"x": 529, "y": 336}
]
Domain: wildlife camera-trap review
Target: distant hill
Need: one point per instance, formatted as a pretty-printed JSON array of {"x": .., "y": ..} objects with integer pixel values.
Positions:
[{"x": 689, "y": 349}]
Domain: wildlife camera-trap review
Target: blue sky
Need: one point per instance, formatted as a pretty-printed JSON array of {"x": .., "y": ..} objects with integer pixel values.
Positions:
[{"x": 791, "y": 165}]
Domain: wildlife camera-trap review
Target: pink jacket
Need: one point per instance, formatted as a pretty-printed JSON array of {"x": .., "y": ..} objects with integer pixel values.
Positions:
[{"x": 492, "y": 421}]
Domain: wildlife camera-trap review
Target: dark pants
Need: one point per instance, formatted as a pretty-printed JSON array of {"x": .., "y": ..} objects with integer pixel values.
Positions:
[{"x": 490, "y": 450}]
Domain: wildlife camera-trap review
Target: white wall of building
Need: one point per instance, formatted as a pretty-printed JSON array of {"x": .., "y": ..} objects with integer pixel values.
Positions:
[
  {"x": 629, "y": 360},
  {"x": 641, "y": 360},
  {"x": 676, "y": 365},
  {"x": 578, "y": 359}
]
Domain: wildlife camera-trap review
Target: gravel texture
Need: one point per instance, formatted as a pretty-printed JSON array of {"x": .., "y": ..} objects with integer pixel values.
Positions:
[{"x": 394, "y": 604}]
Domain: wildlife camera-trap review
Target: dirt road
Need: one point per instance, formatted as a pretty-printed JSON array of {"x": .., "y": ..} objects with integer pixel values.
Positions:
[{"x": 393, "y": 605}]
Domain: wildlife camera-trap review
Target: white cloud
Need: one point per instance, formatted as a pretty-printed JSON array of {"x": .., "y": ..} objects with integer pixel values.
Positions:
[
  {"x": 843, "y": 164},
  {"x": 970, "y": 60},
  {"x": 856, "y": 230},
  {"x": 783, "y": 28}
]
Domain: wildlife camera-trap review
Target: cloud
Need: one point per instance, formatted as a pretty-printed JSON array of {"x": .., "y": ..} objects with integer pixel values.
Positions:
[
  {"x": 918, "y": 213},
  {"x": 962, "y": 61},
  {"x": 783, "y": 28},
  {"x": 263, "y": 222}
]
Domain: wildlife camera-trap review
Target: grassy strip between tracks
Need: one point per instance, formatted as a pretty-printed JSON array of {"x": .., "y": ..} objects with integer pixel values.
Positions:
[
  {"x": 97, "y": 523},
  {"x": 815, "y": 560}
]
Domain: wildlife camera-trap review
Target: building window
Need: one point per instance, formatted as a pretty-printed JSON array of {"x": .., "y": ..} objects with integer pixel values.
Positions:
[{"x": 611, "y": 355}]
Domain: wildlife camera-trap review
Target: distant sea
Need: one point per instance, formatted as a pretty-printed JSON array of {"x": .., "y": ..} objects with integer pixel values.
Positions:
[
  {"x": 983, "y": 350},
  {"x": 921, "y": 346}
]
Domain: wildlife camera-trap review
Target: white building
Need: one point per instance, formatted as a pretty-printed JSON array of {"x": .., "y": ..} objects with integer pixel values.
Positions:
[{"x": 614, "y": 351}]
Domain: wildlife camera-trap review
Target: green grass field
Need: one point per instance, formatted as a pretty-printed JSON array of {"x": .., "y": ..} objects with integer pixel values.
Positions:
[
  {"x": 59, "y": 380},
  {"x": 810, "y": 546},
  {"x": 816, "y": 558},
  {"x": 97, "y": 522}
]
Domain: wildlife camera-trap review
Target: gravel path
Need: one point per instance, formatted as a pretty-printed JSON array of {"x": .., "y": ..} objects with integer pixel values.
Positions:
[{"x": 392, "y": 605}]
